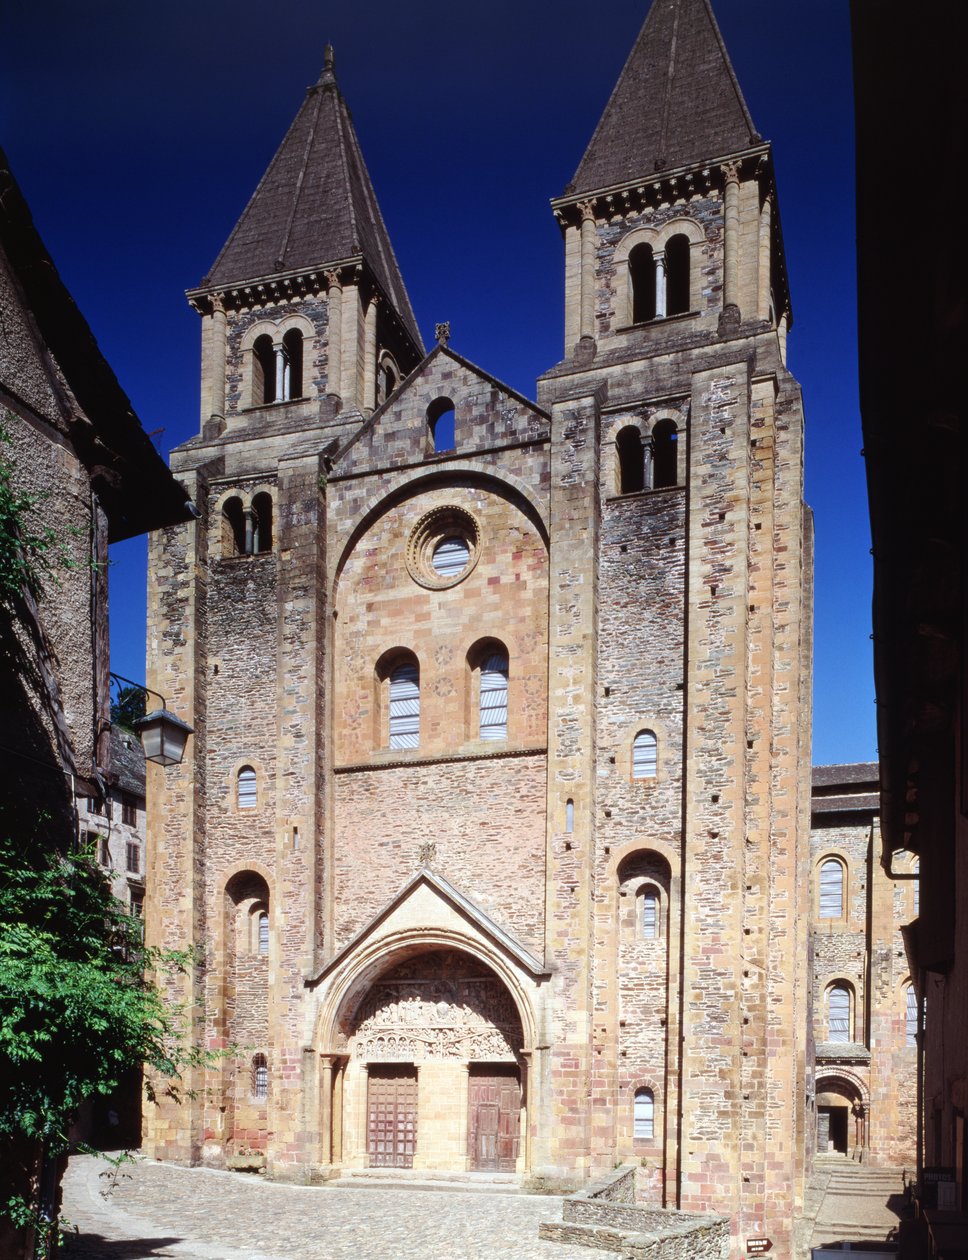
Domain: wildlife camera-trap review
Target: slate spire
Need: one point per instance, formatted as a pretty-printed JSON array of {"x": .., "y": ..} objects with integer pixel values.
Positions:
[
  {"x": 314, "y": 206},
  {"x": 677, "y": 102}
]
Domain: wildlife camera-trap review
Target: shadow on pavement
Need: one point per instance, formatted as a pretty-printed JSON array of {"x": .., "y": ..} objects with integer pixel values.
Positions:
[{"x": 93, "y": 1247}]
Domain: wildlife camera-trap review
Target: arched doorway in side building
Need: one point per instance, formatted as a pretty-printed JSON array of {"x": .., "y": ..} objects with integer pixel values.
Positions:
[
  {"x": 841, "y": 1116},
  {"x": 434, "y": 1075}
]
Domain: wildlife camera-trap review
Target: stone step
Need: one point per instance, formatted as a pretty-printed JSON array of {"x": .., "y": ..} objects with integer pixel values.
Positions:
[{"x": 419, "y": 1179}]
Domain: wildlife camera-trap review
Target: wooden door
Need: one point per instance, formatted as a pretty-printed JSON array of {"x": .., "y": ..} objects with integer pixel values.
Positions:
[
  {"x": 391, "y": 1137},
  {"x": 494, "y": 1119},
  {"x": 823, "y": 1129}
]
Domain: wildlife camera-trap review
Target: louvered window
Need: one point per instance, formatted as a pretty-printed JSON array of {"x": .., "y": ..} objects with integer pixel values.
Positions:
[
  {"x": 494, "y": 697},
  {"x": 644, "y": 1114},
  {"x": 650, "y": 914},
  {"x": 911, "y": 1016},
  {"x": 405, "y": 707},
  {"x": 133, "y": 856},
  {"x": 569, "y": 815},
  {"x": 246, "y": 788},
  {"x": 831, "y": 889},
  {"x": 838, "y": 1014},
  {"x": 260, "y": 1077},
  {"x": 451, "y": 557},
  {"x": 263, "y": 932},
  {"x": 916, "y": 868},
  {"x": 644, "y": 755}
]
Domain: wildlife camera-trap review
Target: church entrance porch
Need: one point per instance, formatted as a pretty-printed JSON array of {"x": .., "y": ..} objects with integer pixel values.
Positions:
[{"x": 433, "y": 1076}]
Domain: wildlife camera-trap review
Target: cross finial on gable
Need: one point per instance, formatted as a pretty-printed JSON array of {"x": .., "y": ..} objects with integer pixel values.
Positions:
[{"x": 442, "y": 333}]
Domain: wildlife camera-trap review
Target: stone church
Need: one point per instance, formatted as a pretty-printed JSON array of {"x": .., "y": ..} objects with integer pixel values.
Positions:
[{"x": 493, "y": 836}]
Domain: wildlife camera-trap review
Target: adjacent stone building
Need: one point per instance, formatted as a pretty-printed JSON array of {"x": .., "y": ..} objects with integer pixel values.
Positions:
[
  {"x": 495, "y": 828},
  {"x": 113, "y": 825},
  {"x": 865, "y": 1009}
]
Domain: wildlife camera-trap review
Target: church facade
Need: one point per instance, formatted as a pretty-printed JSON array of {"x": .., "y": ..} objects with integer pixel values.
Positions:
[{"x": 493, "y": 836}]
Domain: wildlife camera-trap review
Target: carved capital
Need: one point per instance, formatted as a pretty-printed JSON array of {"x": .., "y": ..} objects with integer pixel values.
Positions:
[
  {"x": 218, "y": 303},
  {"x": 587, "y": 210},
  {"x": 333, "y": 281},
  {"x": 730, "y": 172}
]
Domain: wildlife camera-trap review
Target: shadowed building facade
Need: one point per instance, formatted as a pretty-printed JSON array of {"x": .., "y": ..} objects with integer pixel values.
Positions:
[{"x": 495, "y": 829}]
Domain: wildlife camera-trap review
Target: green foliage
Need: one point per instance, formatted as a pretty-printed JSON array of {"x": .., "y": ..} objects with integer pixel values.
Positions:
[
  {"x": 28, "y": 552},
  {"x": 76, "y": 1010},
  {"x": 127, "y": 707}
]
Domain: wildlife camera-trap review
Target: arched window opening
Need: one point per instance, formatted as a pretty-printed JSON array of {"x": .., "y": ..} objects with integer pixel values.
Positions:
[
  {"x": 233, "y": 528},
  {"x": 405, "y": 706},
  {"x": 910, "y": 1016},
  {"x": 246, "y": 791},
  {"x": 644, "y": 1115},
  {"x": 450, "y": 557},
  {"x": 665, "y": 455},
  {"x": 441, "y": 423},
  {"x": 645, "y": 755},
  {"x": 916, "y": 870},
  {"x": 631, "y": 460},
  {"x": 263, "y": 371},
  {"x": 649, "y": 913},
  {"x": 677, "y": 275},
  {"x": 642, "y": 283},
  {"x": 494, "y": 697},
  {"x": 292, "y": 352},
  {"x": 388, "y": 378},
  {"x": 831, "y": 889},
  {"x": 838, "y": 1013},
  {"x": 262, "y": 523},
  {"x": 569, "y": 816},
  {"x": 260, "y": 1076},
  {"x": 262, "y": 932}
]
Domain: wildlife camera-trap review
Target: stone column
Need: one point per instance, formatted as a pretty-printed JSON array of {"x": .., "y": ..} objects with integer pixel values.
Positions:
[
  {"x": 217, "y": 363},
  {"x": 334, "y": 345},
  {"x": 326, "y": 1109},
  {"x": 572, "y": 287},
  {"x": 660, "y": 284},
  {"x": 587, "y": 326},
  {"x": 764, "y": 286},
  {"x": 280, "y": 373},
  {"x": 350, "y": 337},
  {"x": 731, "y": 237},
  {"x": 369, "y": 355},
  {"x": 648, "y": 463},
  {"x": 526, "y": 1105},
  {"x": 465, "y": 1100}
]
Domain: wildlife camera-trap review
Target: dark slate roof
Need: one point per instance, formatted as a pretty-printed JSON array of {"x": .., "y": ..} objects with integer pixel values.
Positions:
[
  {"x": 676, "y": 103},
  {"x": 127, "y": 761},
  {"x": 133, "y": 482},
  {"x": 837, "y": 775},
  {"x": 314, "y": 205}
]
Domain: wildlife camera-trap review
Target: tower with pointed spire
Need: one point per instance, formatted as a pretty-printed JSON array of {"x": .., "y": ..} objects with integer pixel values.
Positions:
[{"x": 494, "y": 826}]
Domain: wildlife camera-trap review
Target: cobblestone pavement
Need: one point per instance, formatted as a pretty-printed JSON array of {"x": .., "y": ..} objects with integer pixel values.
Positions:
[{"x": 159, "y": 1210}]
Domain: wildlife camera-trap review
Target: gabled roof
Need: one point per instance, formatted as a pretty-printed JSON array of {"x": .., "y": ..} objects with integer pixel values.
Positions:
[
  {"x": 314, "y": 205},
  {"x": 677, "y": 102}
]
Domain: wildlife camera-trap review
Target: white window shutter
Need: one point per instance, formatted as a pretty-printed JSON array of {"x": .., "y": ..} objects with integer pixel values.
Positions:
[
  {"x": 494, "y": 698},
  {"x": 644, "y": 755},
  {"x": 405, "y": 707}
]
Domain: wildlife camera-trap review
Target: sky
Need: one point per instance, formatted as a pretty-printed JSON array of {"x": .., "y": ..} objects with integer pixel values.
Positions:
[{"x": 138, "y": 132}]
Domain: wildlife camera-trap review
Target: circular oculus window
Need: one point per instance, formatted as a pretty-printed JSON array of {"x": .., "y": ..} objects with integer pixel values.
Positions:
[{"x": 443, "y": 547}]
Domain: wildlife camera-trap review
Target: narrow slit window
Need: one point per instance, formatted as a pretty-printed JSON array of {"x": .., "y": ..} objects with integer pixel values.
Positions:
[
  {"x": 642, "y": 283},
  {"x": 677, "y": 275},
  {"x": 911, "y": 1016},
  {"x": 246, "y": 794},
  {"x": 838, "y": 1014},
  {"x": 263, "y": 930},
  {"x": 644, "y": 1114},
  {"x": 631, "y": 460},
  {"x": 260, "y": 1077},
  {"x": 916, "y": 868},
  {"x": 645, "y": 753},
  {"x": 665, "y": 455},
  {"x": 405, "y": 706},
  {"x": 494, "y": 697},
  {"x": 569, "y": 816},
  {"x": 650, "y": 914},
  {"x": 831, "y": 889}
]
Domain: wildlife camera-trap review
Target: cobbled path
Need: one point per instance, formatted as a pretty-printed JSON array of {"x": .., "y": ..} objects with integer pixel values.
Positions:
[{"x": 159, "y": 1210}]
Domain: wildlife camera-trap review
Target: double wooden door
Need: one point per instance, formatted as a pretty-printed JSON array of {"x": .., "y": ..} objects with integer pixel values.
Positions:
[
  {"x": 391, "y": 1137},
  {"x": 494, "y": 1117}
]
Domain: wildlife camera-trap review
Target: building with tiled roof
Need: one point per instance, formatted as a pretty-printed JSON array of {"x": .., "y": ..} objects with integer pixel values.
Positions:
[{"x": 495, "y": 826}]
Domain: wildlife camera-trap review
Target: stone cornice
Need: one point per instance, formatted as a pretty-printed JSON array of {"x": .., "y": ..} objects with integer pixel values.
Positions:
[{"x": 663, "y": 186}]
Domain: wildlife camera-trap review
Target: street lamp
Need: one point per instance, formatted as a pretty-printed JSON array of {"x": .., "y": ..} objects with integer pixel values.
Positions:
[{"x": 163, "y": 734}]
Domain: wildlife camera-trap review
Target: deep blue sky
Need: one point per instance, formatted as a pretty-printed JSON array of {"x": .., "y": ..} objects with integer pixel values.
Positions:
[{"x": 138, "y": 131}]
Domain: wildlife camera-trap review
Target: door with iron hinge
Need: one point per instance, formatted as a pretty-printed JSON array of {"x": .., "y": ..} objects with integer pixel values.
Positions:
[{"x": 391, "y": 1137}]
